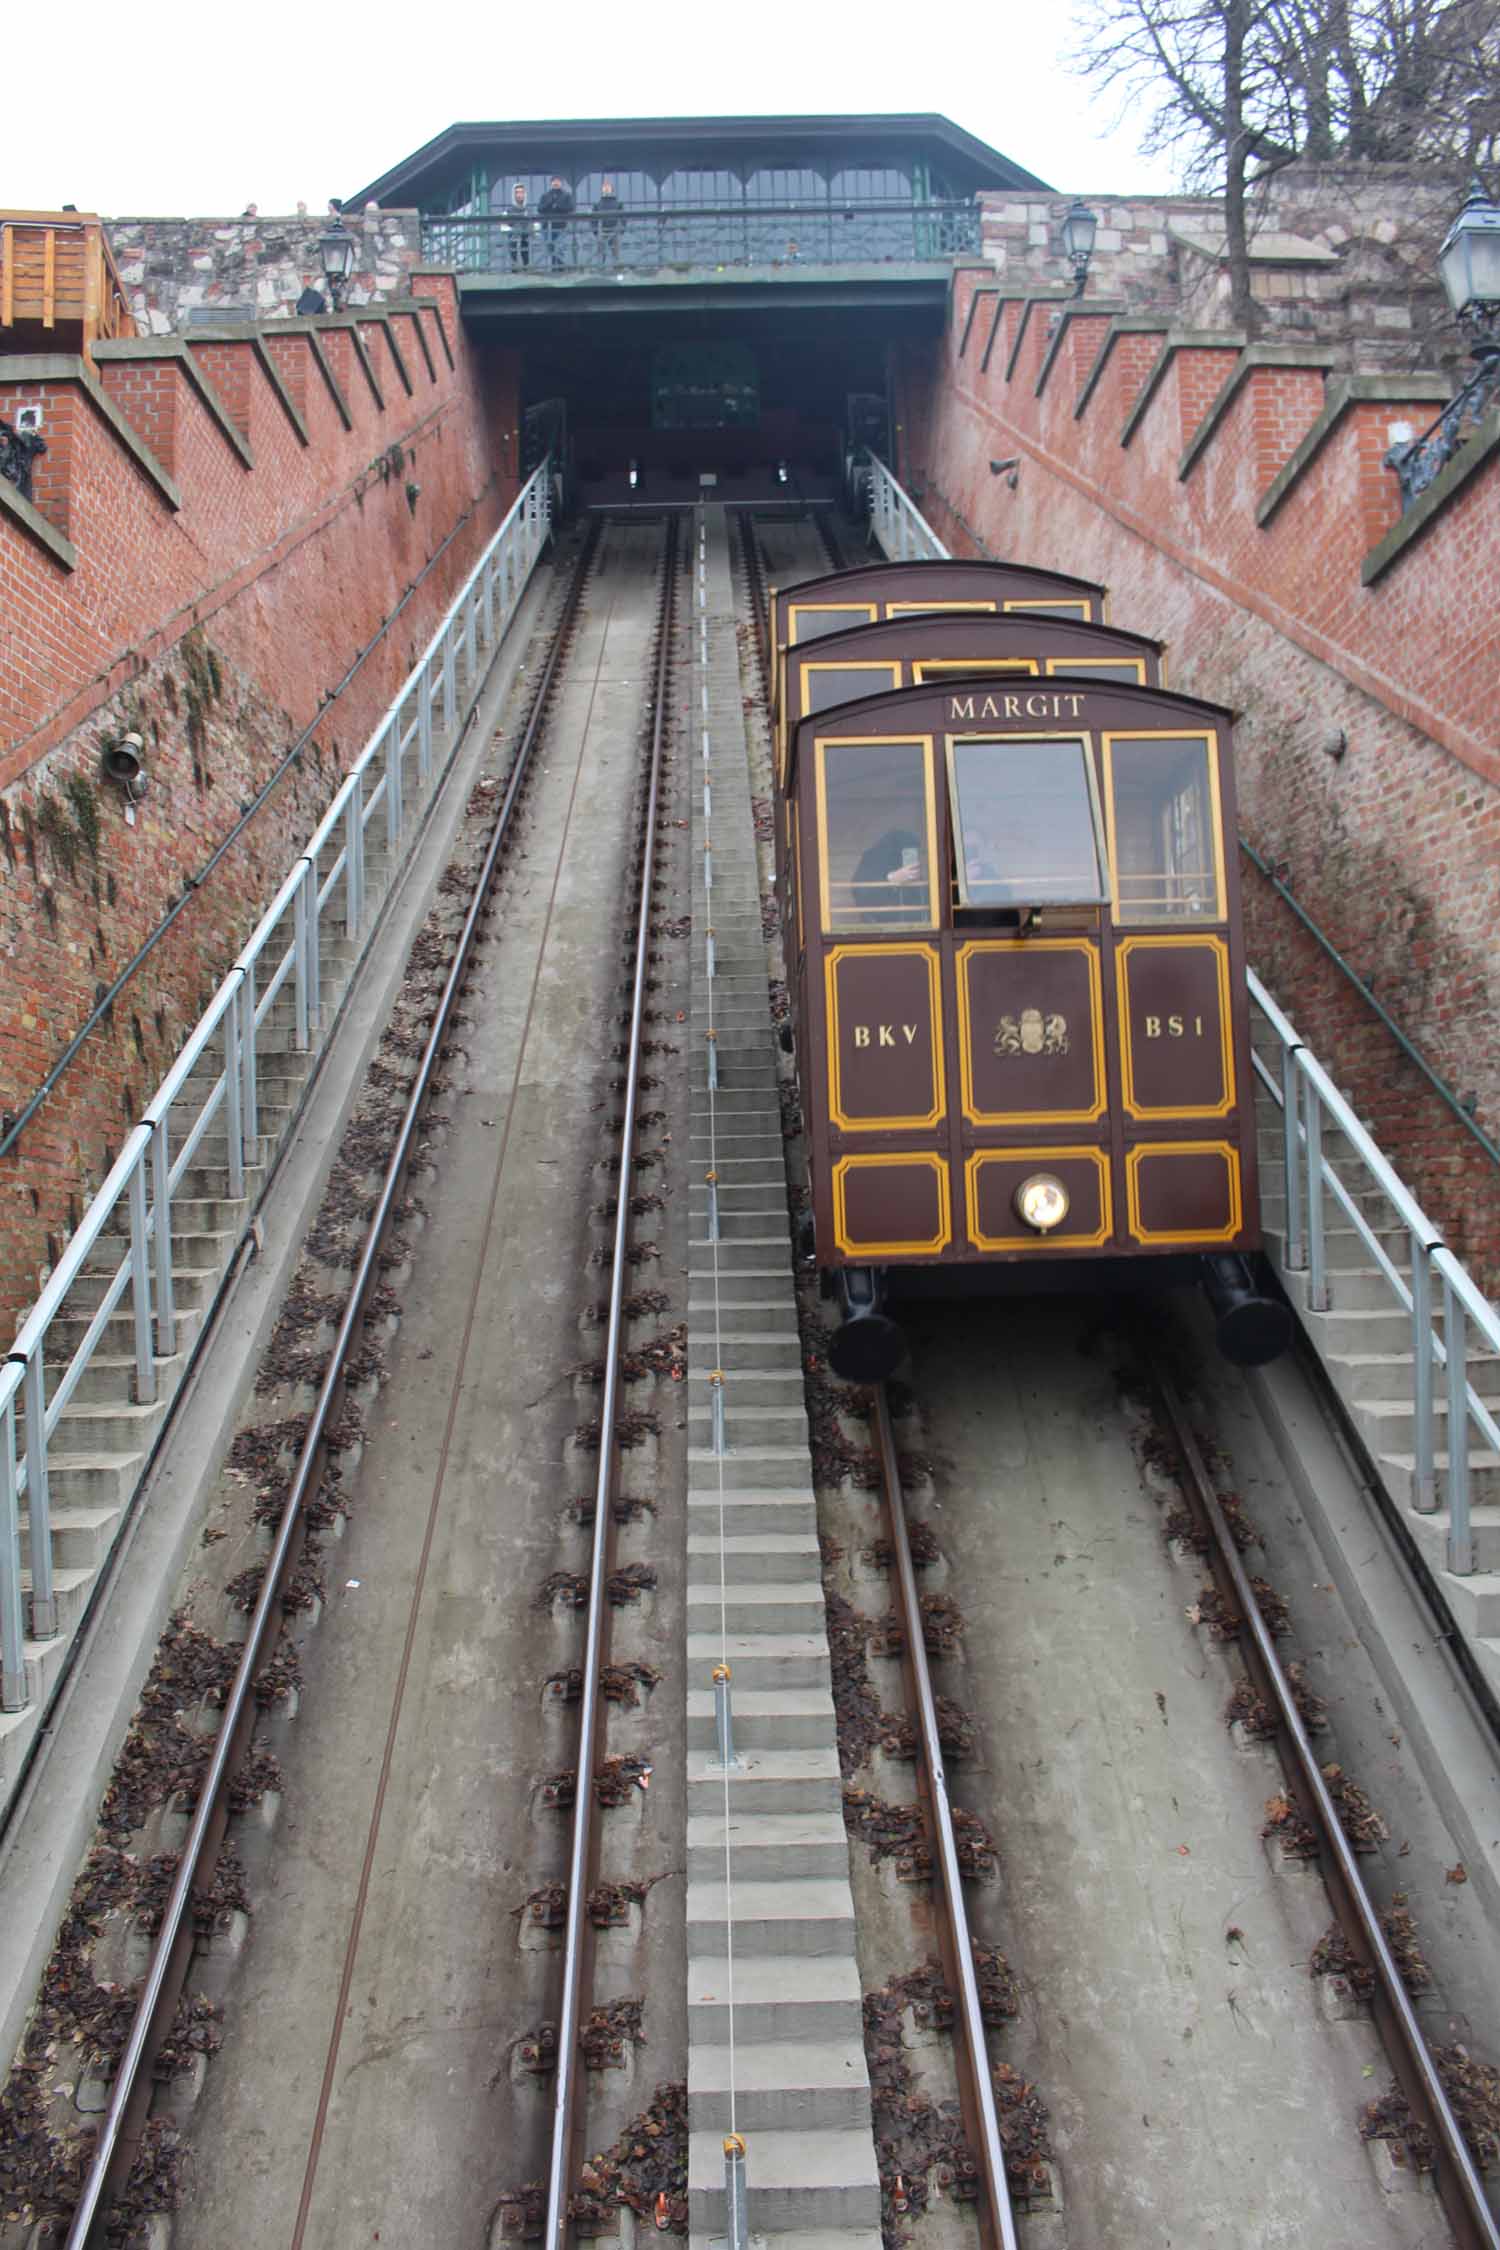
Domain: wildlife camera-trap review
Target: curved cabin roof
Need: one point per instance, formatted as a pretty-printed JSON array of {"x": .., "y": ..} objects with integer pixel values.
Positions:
[{"x": 715, "y": 142}]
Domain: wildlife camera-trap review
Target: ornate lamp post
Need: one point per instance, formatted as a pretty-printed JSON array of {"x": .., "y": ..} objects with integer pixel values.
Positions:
[
  {"x": 338, "y": 250},
  {"x": 1469, "y": 267},
  {"x": 1079, "y": 227}
]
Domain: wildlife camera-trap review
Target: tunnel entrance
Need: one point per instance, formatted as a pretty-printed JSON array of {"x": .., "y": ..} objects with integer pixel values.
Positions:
[{"x": 753, "y": 406}]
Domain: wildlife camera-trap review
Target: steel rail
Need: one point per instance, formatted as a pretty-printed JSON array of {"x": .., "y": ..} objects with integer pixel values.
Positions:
[
  {"x": 975, "y": 2086},
  {"x": 1456, "y": 2176},
  {"x": 577, "y": 1943},
  {"x": 125, "y": 2119}
]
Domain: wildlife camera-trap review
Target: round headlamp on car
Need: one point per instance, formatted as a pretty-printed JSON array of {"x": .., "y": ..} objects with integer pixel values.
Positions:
[{"x": 1041, "y": 1202}]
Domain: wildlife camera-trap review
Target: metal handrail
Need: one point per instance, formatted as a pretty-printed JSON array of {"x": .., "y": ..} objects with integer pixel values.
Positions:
[
  {"x": 899, "y": 526},
  {"x": 136, "y": 1201},
  {"x": 1311, "y": 1105}
]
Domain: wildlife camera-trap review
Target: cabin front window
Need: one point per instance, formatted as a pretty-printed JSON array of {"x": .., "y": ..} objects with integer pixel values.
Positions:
[
  {"x": 1164, "y": 824},
  {"x": 1025, "y": 826},
  {"x": 875, "y": 822}
]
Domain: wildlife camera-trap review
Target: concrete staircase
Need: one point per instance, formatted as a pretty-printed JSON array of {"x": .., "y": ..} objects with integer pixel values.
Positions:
[
  {"x": 775, "y": 2034},
  {"x": 1364, "y": 1342},
  {"x": 103, "y": 1439}
]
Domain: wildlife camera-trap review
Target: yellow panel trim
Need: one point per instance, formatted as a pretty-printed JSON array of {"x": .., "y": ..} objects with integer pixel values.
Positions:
[
  {"x": 935, "y": 667},
  {"x": 1028, "y": 1241},
  {"x": 890, "y": 665},
  {"x": 797, "y": 872},
  {"x": 929, "y": 1248},
  {"x": 965, "y": 1037},
  {"x": 1124, "y": 947},
  {"x": 863, "y": 612},
  {"x": 1057, "y": 667},
  {"x": 926, "y": 954},
  {"x": 925, "y": 609},
  {"x": 1210, "y": 741},
  {"x": 821, "y": 745},
  {"x": 1135, "y": 1157}
]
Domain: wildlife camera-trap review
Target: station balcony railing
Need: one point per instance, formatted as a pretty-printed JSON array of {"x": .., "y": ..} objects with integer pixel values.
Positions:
[
  {"x": 718, "y": 238},
  {"x": 121, "y": 1253}
]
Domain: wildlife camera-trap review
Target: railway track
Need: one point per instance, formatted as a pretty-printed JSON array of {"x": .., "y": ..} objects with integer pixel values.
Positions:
[{"x": 133, "y": 2085}]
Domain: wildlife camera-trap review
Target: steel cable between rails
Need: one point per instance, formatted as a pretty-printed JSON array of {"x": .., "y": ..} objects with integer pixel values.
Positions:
[
  {"x": 576, "y": 1934},
  {"x": 717, "y": 1414}
]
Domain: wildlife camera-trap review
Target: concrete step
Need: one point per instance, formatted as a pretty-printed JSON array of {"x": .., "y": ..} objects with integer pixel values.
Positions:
[
  {"x": 779, "y": 2086},
  {"x": 192, "y": 1252},
  {"x": 775, "y": 1997},
  {"x": 796, "y": 2180},
  {"x": 92, "y": 1426},
  {"x": 757, "y": 1558},
  {"x": 766, "y": 1846},
  {"x": 192, "y": 1288},
  {"x": 1373, "y": 1376},
  {"x": 1398, "y": 1473},
  {"x": 767, "y": 1660},
  {"x": 117, "y": 1340},
  {"x": 765, "y": 1719},
  {"x": 747, "y": 1350},
  {"x": 760, "y": 1222},
  {"x": 747, "y": 1424},
  {"x": 87, "y": 1481},
  {"x": 747, "y": 1469},
  {"x": 768, "y": 1781},
  {"x": 109, "y": 1379},
  {"x": 744, "y": 1254},
  {"x": 740, "y": 1512},
  {"x": 81, "y": 1537},
  {"x": 812, "y": 1915},
  {"x": 1430, "y": 1531}
]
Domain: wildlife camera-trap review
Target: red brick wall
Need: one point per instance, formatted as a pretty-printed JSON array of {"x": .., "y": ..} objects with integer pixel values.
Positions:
[
  {"x": 1369, "y": 764},
  {"x": 216, "y": 631}
]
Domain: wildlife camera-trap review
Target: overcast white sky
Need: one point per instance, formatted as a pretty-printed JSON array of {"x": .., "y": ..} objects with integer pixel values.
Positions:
[{"x": 181, "y": 107}]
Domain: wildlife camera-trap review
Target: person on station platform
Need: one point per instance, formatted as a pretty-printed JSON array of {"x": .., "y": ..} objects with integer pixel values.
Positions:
[
  {"x": 555, "y": 205},
  {"x": 608, "y": 228},
  {"x": 518, "y": 226}
]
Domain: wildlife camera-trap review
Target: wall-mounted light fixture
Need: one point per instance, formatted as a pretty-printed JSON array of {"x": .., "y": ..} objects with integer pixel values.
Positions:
[
  {"x": 1079, "y": 227},
  {"x": 338, "y": 250},
  {"x": 123, "y": 760},
  {"x": 1469, "y": 269},
  {"x": 1010, "y": 469}
]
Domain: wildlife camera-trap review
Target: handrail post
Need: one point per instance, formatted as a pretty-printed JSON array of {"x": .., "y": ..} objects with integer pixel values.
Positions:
[
  {"x": 140, "y": 1287},
  {"x": 161, "y": 1238},
  {"x": 450, "y": 683},
  {"x": 1455, "y": 1339},
  {"x": 471, "y": 643},
  {"x": 424, "y": 723},
  {"x": 233, "y": 1115},
  {"x": 354, "y": 856},
  {"x": 1424, "y": 1472},
  {"x": 39, "y": 1500},
  {"x": 1317, "y": 1273},
  {"x": 248, "y": 1094},
  {"x": 393, "y": 807},
  {"x": 13, "y": 1695},
  {"x": 314, "y": 951},
  {"x": 1296, "y": 1236},
  {"x": 303, "y": 916}
]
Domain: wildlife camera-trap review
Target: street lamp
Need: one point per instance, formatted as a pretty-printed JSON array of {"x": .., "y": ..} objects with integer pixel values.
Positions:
[
  {"x": 1469, "y": 268},
  {"x": 1079, "y": 227},
  {"x": 338, "y": 250}
]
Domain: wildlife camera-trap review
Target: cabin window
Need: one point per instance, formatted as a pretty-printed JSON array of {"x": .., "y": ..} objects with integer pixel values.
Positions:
[
  {"x": 1080, "y": 610},
  {"x": 1025, "y": 823},
  {"x": 824, "y": 685},
  {"x": 942, "y": 667},
  {"x": 875, "y": 823},
  {"x": 1164, "y": 839},
  {"x": 808, "y": 621}
]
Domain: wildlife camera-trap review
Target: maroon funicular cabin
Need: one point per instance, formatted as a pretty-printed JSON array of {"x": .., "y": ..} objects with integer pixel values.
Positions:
[{"x": 1011, "y": 915}]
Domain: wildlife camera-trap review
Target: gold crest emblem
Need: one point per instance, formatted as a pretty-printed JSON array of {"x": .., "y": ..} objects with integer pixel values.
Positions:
[{"x": 1031, "y": 1033}]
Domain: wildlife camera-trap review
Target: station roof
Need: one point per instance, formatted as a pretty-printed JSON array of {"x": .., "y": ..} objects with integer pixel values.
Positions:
[{"x": 537, "y": 143}]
